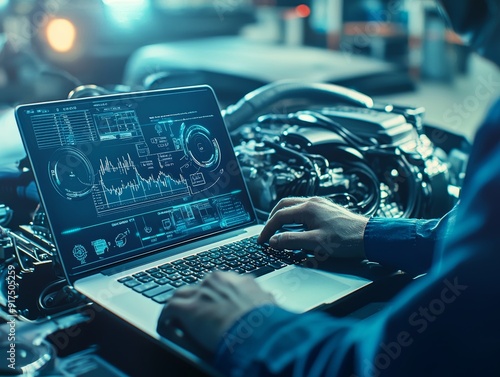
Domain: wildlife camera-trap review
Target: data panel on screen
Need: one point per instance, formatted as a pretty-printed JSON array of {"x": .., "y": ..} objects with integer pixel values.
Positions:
[{"x": 125, "y": 175}]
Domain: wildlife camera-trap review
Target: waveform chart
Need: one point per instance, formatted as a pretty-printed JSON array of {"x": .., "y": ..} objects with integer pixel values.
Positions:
[{"x": 120, "y": 183}]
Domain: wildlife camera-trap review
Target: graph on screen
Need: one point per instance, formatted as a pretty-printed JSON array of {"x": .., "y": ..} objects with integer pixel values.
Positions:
[{"x": 119, "y": 183}]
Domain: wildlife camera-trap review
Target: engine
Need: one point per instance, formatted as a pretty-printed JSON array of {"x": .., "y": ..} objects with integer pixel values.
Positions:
[{"x": 375, "y": 161}]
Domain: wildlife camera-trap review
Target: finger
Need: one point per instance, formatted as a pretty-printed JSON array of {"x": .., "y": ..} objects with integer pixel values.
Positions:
[
  {"x": 184, "y": 300},
  {"x": 213, "y": 278},
  {"x": 286, "y": 202},
  {"x": 224, "y": 283},
  {"x": 240, "y": 290},
  {"x": 294, "y": 240},
  {"x": 287, "y": 215},
  {"x": 174, "y": 308},
  {"x": 179, "y": 298}
]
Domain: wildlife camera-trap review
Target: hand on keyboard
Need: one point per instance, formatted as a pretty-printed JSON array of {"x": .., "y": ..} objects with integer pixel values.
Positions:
[{"x": 206, "y": 310}]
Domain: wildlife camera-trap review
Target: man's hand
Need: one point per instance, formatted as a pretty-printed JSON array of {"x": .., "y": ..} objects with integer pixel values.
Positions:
[
  {"x": 207, "y": 310},
  {"x": 329, "y": 227}
]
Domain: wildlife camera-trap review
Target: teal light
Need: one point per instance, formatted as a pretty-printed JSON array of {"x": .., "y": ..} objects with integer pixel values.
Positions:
[
  {"x": 124, "y": 12},
  {"x": 69, "y": 231}
]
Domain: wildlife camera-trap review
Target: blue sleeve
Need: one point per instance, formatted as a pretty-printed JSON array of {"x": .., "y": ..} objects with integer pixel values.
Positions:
[
  {"x": 443, "y": 324},
  {"x": 405, "y": 244},
  {"x": 270, "y": 340}
]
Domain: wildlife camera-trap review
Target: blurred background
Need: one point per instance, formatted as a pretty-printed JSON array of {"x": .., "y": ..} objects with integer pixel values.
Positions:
[{"x": 394, "y": 50}]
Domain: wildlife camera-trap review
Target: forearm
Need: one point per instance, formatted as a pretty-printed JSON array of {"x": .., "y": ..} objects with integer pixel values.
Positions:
[
  {"x": 406, "y": 244},
  {"x": 270, "y": 341}
]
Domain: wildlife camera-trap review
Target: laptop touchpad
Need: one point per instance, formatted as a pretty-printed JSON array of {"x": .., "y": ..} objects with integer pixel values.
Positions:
[{"x": 301, "y": 289}]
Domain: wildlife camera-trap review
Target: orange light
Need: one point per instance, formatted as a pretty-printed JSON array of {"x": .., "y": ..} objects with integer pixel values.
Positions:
[
  {"x": 302, "y": 11},
  {"x": 61, "y": 34}
]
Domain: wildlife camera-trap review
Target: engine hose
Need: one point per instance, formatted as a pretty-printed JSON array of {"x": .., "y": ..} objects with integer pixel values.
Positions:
[
  {"x": 370, "y": 204},
  {"x": 259, "y": 99},
  {"x": 312, "y": 183}
]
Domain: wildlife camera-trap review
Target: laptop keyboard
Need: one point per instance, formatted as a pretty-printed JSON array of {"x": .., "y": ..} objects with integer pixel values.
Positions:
[{"x": 244, "y": 256}]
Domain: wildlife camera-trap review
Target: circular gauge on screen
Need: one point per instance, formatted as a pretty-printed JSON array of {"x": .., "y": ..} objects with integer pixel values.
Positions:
[
  {"x": 71, "y": 173},
  {"x": 201, "y": 147}
]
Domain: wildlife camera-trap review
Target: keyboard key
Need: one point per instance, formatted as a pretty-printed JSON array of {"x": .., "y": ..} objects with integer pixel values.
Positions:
[
  {"x": 208, "y": 265},
  {"x": 262, "y": 271},
  {"x": 162, "y": 281},
  {"x": 260, "y": 263},
  {"x": 163, "y": 297},
  {"x": 181, "y": 266},
  {"x": 248, "y": 267},
  {"x": 124, "y": 279},
  {"x": 145, "y": 279},
  {"x": 158, "y": 290},
  {"x": 277, "y": 265},
  {"x": 177, "y": 283},
  {"x": 199, "y": 275},
  {"x": 132, "y": 283},
  {"x": 168, "y": 270},
  {"x": 158, "y": 275},
  {"x": 205, "y": 253},
  {"x": 189, "y": 279},
  {"x": 174, "y": 276},
  {"x": 144, "y": 287}
]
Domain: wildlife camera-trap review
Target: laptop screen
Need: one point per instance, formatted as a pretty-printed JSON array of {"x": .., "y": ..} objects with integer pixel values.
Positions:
[{"x": 126, "y": 175}]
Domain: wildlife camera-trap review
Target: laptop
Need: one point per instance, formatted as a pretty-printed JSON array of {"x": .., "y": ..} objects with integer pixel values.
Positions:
[{"x": 141, "y": 188}]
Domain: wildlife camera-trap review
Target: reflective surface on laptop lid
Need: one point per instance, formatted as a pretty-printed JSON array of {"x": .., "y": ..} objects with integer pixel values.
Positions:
[{"x": 125, "y": 175}]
